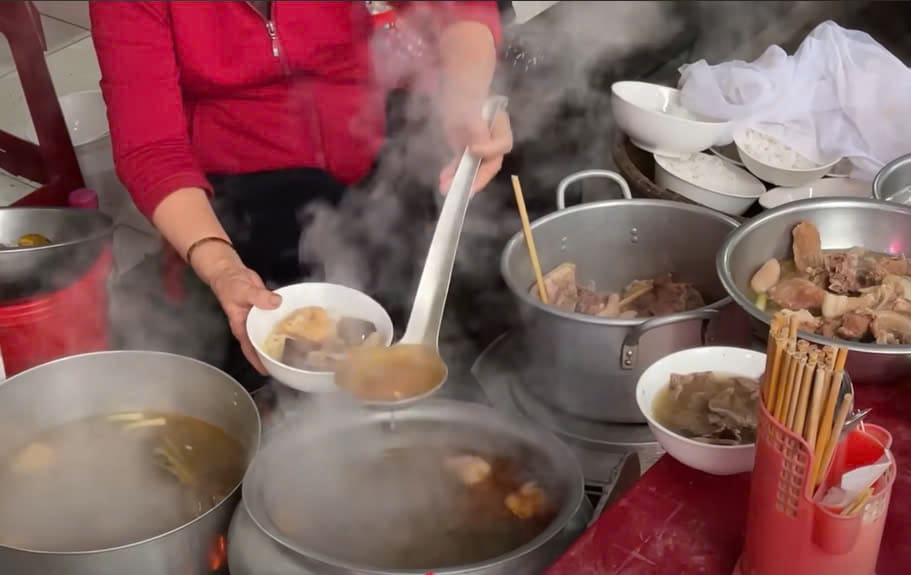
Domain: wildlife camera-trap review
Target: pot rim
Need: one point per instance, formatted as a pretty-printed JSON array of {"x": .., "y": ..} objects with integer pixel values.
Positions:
[
  {"x": 537, "y": 434},
  {"x": 723, "y": 261},
  {"x": 525, "y": 297},
  {"x": 104, "y": 232},
  {"x": 885, "y": 172},
  {"x": 163, "y": 355}
]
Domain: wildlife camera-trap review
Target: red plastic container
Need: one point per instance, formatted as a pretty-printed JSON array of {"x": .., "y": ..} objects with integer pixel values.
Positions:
[
  {"x": 788, "y": 531},
  {"x": 70, "y": 321}
]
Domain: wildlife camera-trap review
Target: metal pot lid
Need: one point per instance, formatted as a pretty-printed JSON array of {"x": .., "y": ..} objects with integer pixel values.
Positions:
[{"x": 317, "y": 487}]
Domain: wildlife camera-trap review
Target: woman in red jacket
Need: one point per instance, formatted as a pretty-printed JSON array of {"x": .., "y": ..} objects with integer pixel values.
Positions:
[{"x": 267, "y": 106}]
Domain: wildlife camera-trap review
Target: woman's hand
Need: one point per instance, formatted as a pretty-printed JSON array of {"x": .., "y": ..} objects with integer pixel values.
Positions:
[
  {"x": 467, "y": 128},
  {"x": 238, "y": 289},
  {"x": 469, "y": 58}
]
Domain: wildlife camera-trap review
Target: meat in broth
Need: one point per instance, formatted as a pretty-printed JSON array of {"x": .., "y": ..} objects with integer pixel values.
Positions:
[
  {"x": 419, "y": 508},
  {"x": 112, "y": 480},
  {"x": 310, "y": 338},
  {"x": 854, "y": 294},
  {"x": 640, "y": 298},
  {"x": 710, "y": 407}
]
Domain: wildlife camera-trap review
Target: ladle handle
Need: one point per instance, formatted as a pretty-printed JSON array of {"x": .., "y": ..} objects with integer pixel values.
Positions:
[{"x": 430, "y": 298}]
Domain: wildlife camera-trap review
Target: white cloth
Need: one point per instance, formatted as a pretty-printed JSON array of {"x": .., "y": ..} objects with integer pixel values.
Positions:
[{"x": 840, "y": 95}]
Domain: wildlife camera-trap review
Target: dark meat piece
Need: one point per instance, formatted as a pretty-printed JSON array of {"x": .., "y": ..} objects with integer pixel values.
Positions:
[
  {"x": 796, "y": 294},
  {"x": 296, "y": 351},
  {"x": 856, "y": 269},
  {"x": 807, "y": 248},
  {"x": 673, "y": 297},
  {"x": 560, "y": 284},
  {"x": 353, "y": 330},
  {"x": 590, "y": 302},
  {"x": 891, "y": 328},
  {"x": 854, "y": 325}
]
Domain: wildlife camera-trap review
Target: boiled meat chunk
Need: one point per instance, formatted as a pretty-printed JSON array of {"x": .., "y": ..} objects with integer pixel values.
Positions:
[
  {"x": 560, "y": 285},
  {"x": 797, "y": 293},
  {"x": 807, "y": 248},
  {"x": 891, "y": 328}
]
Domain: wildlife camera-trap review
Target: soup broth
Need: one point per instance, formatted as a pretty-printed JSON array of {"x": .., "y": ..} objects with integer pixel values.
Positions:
[
  {"x": 711, "y": 407},
  {"x": 114, "y": 479},
  {"x": 418, "y": 508}
]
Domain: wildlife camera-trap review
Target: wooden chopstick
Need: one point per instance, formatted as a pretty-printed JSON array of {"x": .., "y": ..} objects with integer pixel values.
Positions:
[
  {"x": 530, "y": 240},
  {"x": 847, "y": 404}
]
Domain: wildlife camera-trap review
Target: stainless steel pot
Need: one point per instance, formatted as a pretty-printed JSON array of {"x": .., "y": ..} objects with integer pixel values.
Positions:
[
  {"x": 257, "y": 545},
  {"x": 843, "y": 223},
  {"x": 97, "y": 383},
  {"x": 78, "y": 238},
  {"x": 588, "y": 366},
  {"x": 893, "y": 182}
]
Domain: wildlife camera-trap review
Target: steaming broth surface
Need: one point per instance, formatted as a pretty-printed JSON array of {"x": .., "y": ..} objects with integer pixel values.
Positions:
[
  {"x": 416, "y": 508},
  {"x": 107, "y": 481}
]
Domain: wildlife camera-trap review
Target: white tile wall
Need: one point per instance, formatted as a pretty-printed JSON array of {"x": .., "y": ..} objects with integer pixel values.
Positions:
[{"x": 72, "y": 65}]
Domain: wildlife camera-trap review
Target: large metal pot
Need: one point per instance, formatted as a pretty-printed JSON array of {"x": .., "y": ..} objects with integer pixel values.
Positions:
[
  {"x": 98, "y": 383},
  {"x": 588, "y": 366},
  {"x": 78, "y": 238},
  {"x": 331, "y": 441},
  {"x": 843, "y": 223},
  {"x": 893, "y": 182}
]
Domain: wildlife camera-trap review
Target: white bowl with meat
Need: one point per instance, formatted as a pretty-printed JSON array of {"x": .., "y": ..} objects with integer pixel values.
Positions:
[
  {"x": 302, "y": 341},
  {"x": 838, "y": 262},
  {"x": 702, "y": 406}
]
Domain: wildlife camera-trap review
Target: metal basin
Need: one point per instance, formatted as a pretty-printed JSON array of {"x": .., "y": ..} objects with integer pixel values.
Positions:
[
  {"x": 843, "y": 223},
  {"x": 99, "y": 383},
  {"x": 588, "y": 366},
  {"x": 260, "y": 544},
  {"x": 893, "y": 182},
  {"x": 77, "y": 236}
]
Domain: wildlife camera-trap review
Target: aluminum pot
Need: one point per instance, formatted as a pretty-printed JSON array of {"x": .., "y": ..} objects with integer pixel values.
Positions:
[
  {"x": 893, "y": 182},
  {"x": 257, "y": 545},
  {"x": 78, "y": 238},
  {"x": 106, "y": 382},
  {"x": 588, "y": 366},
  {"x": 843, "y": 223}
]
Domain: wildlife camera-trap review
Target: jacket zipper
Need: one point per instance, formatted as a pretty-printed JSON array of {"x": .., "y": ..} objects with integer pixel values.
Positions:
[
  {"x": 273, "y": 35},
  {"x": 270, "y": 29}
]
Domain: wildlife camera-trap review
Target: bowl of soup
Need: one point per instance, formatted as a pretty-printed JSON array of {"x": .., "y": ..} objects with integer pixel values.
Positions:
[
  {"x": 303, "y": 341},
  {"x": 702, "y": 406}
]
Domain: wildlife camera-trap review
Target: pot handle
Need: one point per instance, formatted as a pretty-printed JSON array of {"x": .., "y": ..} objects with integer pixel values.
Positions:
[
  {"x": 585, "y": 174},
  {"x": 630, "y": 350}
]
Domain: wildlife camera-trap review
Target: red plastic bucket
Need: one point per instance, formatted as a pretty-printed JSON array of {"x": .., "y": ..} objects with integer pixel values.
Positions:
[{"x": 67, "y": 322}]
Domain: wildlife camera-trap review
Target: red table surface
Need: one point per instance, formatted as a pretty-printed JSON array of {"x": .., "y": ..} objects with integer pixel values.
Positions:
[{"x": 678, "y": 521}]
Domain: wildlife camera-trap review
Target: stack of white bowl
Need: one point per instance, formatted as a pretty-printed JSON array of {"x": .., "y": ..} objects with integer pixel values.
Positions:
[
  {"x": 656, "y": 121},
  {"x": 729, "y": 178}
]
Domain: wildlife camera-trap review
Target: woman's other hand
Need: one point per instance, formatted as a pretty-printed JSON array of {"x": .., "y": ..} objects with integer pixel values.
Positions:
[{"x": 238, "y": 289}]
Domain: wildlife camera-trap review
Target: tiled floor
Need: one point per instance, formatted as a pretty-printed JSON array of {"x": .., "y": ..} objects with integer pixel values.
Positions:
[{"x": 73, "y": 67}]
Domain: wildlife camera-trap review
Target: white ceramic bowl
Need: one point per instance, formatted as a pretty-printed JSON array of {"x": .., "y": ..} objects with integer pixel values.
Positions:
[
  {"x": 709, "y": 180},
  {"x": 779, "y": 176},
  {"x": 714, "y": 459},
  {"x": 338, "y": 301},
  {"x": 824, "y": 188},
  {"x": 655, "y": 121}
]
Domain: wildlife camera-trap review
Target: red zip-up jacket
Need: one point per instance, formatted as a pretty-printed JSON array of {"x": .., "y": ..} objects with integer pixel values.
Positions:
[{"x": 214, "y": 87}]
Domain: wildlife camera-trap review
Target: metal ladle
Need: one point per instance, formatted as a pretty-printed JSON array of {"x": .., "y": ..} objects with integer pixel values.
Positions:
[{"x": 418, "y": 350}]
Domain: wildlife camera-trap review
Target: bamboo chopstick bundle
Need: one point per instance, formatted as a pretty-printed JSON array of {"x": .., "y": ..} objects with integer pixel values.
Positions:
[
  {"x": 773, "y": 359},
  {"x": 805, "y": 387},
  {"x": 779, "y": 369}
]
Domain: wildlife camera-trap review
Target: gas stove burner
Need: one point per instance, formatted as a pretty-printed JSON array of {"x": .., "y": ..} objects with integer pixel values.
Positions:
[{"x": 499, "y": 371}]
